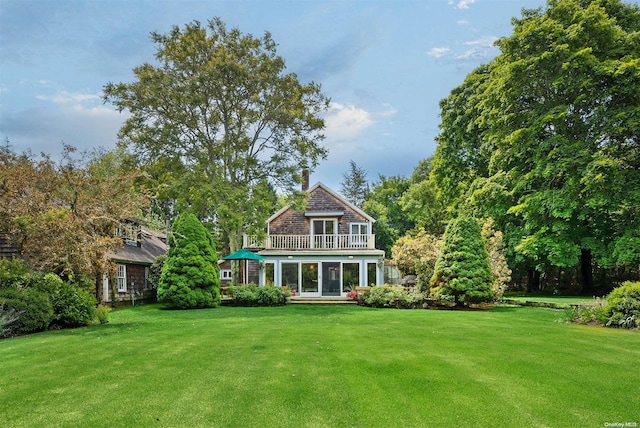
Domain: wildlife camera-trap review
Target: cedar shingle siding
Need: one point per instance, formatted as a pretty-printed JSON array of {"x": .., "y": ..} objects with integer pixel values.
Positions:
[{"x": 293, "y": 222}]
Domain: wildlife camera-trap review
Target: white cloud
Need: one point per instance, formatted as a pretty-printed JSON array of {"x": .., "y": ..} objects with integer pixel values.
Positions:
[
  {"x": 485, "y": 41},
  {"x": 65, "y": 97},
  {"x": 75, "y": 124},
  {"x": 438, "y": 52},
  {"x": 389, "y": 112},
  {"x": 462, "y": 22},
  {"x": 345, "y": 122},
  {"x": 480, "y": 48},
  {"x": 462, "y": 4}
]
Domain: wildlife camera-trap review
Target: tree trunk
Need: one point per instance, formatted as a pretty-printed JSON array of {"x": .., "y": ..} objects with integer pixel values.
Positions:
[
  {"x": 586, "y": 272},
  {"x": 533, "y": 280}
]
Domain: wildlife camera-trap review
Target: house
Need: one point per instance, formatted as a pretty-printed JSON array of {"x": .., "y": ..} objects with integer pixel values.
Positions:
[
  {"x": 322, "y": 252},
  {"x": 134, "y": 257}
]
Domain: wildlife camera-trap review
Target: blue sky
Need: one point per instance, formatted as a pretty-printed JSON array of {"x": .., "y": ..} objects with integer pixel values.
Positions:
[{"x": 385, "y": 65}]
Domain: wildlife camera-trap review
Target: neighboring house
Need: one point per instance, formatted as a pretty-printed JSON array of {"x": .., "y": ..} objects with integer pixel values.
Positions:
[
  {"x": 322, "y": 252},
  {"x": 134, "y": 257},
  {"x": 8, "y": 250}
]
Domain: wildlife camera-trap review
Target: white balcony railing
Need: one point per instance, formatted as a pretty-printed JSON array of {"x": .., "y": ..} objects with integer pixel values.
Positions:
[{"x": 309, "y": 242}]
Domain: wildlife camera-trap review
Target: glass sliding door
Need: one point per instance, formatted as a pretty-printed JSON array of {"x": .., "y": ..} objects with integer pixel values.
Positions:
[
  {"x": 350, "y": 276},
  {"x": 310, "y": 280},
  {"x": 330, "y": 278},
  {"x": 269, "y": 273},
  {"x": 372, "y": 274},
  {"x": 290, "y": 276}
]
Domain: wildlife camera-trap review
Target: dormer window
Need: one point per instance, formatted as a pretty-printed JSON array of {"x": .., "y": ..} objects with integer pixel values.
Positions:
[{"x": 129, "y": 232}]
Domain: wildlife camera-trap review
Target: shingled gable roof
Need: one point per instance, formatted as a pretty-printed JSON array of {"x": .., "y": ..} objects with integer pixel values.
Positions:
[
  {"x": 151, "y": 247},
  {"x": 332, "y": 193}
]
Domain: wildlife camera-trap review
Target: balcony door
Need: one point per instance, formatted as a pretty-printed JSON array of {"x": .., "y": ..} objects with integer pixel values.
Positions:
[{"x": 323, "y": 232}]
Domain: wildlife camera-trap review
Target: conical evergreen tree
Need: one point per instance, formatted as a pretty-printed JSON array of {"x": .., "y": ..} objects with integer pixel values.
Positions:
[
  {"x": 190, "y": 277},
  {"x": 462, "y": 273}
]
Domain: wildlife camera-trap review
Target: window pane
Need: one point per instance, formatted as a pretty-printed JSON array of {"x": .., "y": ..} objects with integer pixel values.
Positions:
[
  {"x": 270, "y": 274},
  {"x": 371, "y": 273},
  {"x": 350, "y": 276},
  {"x": 328, "y": 227},
  {"x": 309, "y": 277},
  {"x": 290, "y": 275}
]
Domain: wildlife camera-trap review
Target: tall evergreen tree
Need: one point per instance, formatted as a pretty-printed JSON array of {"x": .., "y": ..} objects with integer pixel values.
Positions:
[
  {"x": 462, "y": 273},
  {"x": 190, "y": 277},
  {"x": 354, "y": 186}
]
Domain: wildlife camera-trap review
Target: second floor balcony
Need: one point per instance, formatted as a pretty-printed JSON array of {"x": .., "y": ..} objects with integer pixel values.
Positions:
[{"x": 311, "y": 242}]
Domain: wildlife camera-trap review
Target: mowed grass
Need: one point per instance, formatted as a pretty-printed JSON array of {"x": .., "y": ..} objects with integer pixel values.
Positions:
[
  {"x": 558, "y": 300},
  {"x": 322, "y": 366}
]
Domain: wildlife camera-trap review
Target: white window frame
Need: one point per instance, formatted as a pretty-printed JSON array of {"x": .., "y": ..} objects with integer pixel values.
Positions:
[
  {"x": 325, "y": 240},
  {"x": 359, "y": 239},
  {"x": 225, "y": 274},
  {"x": 121, "y": 278}
]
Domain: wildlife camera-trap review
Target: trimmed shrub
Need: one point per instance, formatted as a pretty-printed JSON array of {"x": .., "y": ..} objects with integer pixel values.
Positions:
[
  {"x": 190, "y": 277},
  {"x": 462, "y": 274},
  {"x": 392, "y": 296},
  {"x": 270, "y": 295},
  {"x": 33, "y": 306},
  {"x": 252, "y": 295},
  {"x": 623, "y": 306}
]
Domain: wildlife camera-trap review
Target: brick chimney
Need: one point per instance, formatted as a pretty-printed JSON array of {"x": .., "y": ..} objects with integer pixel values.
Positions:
[{"x": 305, "y": 180}]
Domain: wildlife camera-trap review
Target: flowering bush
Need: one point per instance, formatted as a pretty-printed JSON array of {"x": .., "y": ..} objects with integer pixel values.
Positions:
[{"x": 352, "y": 295}]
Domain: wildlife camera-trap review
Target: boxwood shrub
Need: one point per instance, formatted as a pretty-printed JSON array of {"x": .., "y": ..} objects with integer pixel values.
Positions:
[{"x": 252, "y": 295}]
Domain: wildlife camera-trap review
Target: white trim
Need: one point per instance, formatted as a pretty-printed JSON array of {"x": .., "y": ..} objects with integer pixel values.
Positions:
[
  {"x": 121, "y": 278},
  {"x": 359, "y": 239},
  {"x": 225, "y": 274},
  {"x": 106, "y": 295},
  {"x": 324, "y": 213}
]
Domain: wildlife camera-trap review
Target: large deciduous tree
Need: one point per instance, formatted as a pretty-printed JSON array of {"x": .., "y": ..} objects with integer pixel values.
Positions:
[
  {"x": 219, "y": 105},
  {"x": 568, "y": 87},
  {"x": 61, "y": 216},
  {"x": 382, "y": 203},
  {"x": 545, "y": 138}
]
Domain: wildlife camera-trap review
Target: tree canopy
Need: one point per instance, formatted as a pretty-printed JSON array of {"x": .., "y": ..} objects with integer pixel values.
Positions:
[
  {"x": 218, "y": 109},
  {"x": 61, "y": 215},
  {"x": 544, "y": 138}
]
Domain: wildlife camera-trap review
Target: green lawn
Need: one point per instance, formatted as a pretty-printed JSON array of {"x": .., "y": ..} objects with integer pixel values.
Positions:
[
  {"x": 322, "y": 366},
  {"x": 558, "y": 300}
]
